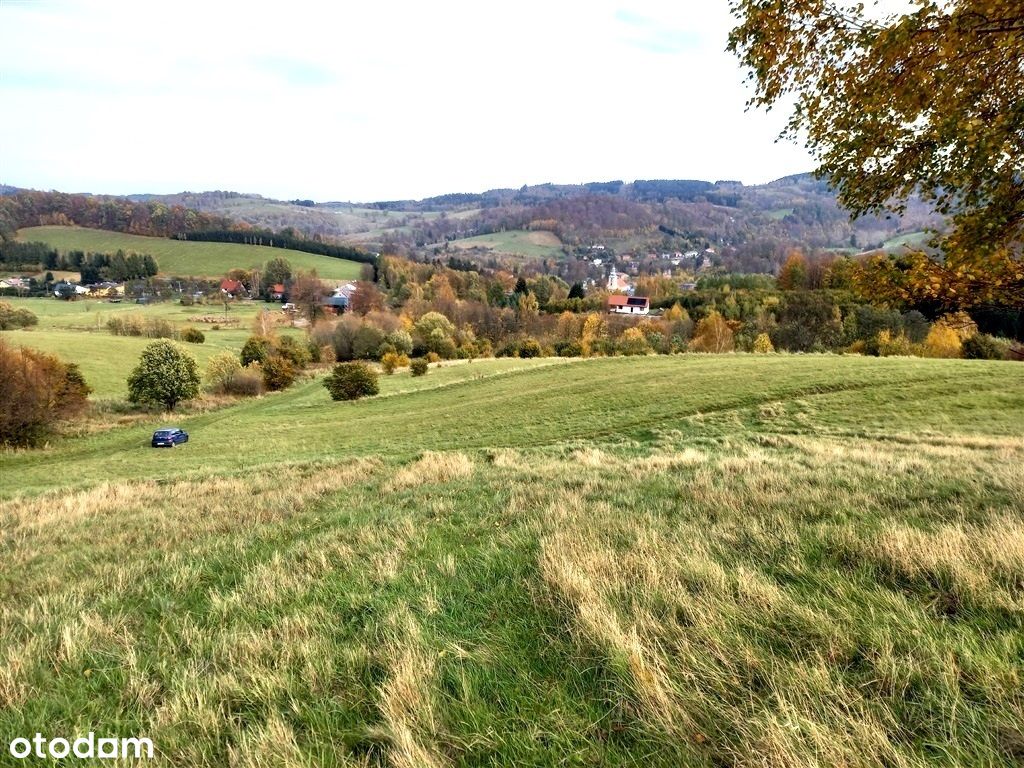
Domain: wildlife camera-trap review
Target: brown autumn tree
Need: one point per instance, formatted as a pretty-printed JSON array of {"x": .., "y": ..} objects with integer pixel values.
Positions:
[
  {"x": 37, "y": 391},
  {"x": 794, "y": 273},
  {"x": 306, "y": 294},
  {"x": 367, "y": 298},
  {"x": 925, "y": 102}
]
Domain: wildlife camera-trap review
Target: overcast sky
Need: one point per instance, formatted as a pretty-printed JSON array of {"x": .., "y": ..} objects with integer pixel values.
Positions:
[{"x": 375, "y": 101}]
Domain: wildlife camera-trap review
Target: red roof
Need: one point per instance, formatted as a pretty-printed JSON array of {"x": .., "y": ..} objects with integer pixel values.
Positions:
[
  {"x": 231, "y": 286},
  {"x": 277, "y": 288},
  {"x": 615, "y": 300}
]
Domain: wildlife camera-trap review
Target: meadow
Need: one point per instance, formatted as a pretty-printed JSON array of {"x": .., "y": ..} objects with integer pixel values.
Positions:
[
  {"x": 695, "y": 560},
  {"x": 76, "y": 331},
  {"x": 188, "y": 258},
  {"x": 515, "y": 242}
]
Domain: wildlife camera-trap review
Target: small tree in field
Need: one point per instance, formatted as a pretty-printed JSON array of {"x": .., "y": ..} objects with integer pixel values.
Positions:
[
  {"x": 350, "y": 381},
  {"x": 418, "y": 367},
  {"x": 164, "y": 376},
  {"x": 763, "y": 344}
]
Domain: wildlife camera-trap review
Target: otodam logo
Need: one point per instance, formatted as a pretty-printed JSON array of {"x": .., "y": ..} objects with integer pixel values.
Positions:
[{"x": 85, "y": 747}]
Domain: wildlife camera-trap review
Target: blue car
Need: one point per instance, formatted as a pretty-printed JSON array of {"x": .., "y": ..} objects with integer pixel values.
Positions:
[{"x": 168, "y": 437}]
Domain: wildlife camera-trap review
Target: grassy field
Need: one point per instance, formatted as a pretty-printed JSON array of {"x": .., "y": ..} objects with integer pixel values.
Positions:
[
  {"x": 534, "y": 245},
  {"x": 909, "y": 239},
  {"x": 180, "y": 257},
  {"x": 686, "y": 561},
  {"x": 76, "y": 332}
]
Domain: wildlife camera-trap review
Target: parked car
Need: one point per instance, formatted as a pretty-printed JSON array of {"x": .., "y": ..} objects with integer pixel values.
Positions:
[{"x": 168, "y": 437}]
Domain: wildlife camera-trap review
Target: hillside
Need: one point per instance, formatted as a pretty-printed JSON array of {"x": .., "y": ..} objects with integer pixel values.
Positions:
[
  {"x": 675, "y": 561},
  {"x": 751, "y": 226},
  {"x": 185, "y": 258}
]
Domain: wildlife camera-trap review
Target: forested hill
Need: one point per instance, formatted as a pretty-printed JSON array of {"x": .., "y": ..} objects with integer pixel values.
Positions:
[
  {"x": 753, "y": 224},
  {"x": 749, "y": 227}
]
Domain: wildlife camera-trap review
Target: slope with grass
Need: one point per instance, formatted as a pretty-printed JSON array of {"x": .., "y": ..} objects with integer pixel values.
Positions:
[
  {"x": 187, "y": 258},
  {"x": 515, "y": 242},
  {"x": 688, "y": 561}
]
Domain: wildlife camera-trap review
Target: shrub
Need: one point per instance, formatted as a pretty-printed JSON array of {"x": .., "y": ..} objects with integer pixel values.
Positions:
[
  {"x": 366, "y": 342},
  {"x": 255, "y": 350},
  {"x": 192, "y": 335},
  {"x": 942, "y": 341},
  {"x": 220, "y": 369},
  {"x": 713, "y": 334},
  {"x": 418, "y": 367},
  {"x": 568, "y": 349},
  {"x": 633, "y": 342},
  {"x": 315, "y": 353},
  {"x": 981, "y": 346},
  {"x": 400, "y": 341},
  {"x": 165, "y": 376},
  {"x": 433, "y": 357},
  {"x": 247, "y": 382},
  {"x": 530, "y": 347},
  {"x": 294, "y": 351},
  {"x": 125, "y": 326},
  {"x": 350, "y": 381},
  {"x": 889, "y": 344},
  {"x": 37, "y": 391},
  {"x": 763, "y": 344},
  {"x": 158, "y": 328},
  {"x": 392, "y": 360},
  {"x": 11, "y": 318},
  {"x": 186, "y": 300},
  {"x": 278, "y": 373}
]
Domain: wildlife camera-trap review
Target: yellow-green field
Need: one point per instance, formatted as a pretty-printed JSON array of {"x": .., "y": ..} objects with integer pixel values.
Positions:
[
  {"x": 515, "y": 242},
  {"x": 695, "y": 560},
  {"x": 76, "y": 331},
  {"x": 187, "y": 258}
]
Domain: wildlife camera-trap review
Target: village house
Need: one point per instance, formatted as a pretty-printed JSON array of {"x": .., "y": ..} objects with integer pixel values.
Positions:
[
  {"x": 232, "y": 288},
  {"x": 629, "y": 305},
  {"x": 18, "y": 283},
  {"x": 106, "y": 289},
  {"x": 277, "y": 291}
]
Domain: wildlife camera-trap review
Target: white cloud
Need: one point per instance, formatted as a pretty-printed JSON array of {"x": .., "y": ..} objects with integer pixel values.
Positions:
[{"x": 347, "y": 101}]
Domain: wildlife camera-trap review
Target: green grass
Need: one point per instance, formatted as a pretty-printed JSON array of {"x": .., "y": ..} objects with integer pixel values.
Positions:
[
  {"x": 908, "y": 239},
  {"x": 778, "y": 214},
  {"x": 534, "y": 245},
  {"x": 76, "y": 332},
  {"x": 676, "y": 561},
  {"x": 180, "y": 257}
]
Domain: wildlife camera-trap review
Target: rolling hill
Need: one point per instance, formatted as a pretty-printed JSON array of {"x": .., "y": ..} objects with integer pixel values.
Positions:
[
  {"x": 670, "y": 561},
  {"x": 186, "y": 258}
]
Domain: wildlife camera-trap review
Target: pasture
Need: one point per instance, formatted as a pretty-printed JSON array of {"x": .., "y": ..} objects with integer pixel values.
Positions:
[
  {"x": 515, "y": 242},
  {"x": 76, "y": 331},
  {"x": 694, "y": 560},
  {"x": 188, "y": 258}
]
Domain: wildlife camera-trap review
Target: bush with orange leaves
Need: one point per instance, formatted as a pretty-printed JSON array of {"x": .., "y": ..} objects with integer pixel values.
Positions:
[{"x": 38, "y": 391}]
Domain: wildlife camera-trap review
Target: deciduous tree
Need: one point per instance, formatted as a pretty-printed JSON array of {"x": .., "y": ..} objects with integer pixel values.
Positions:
[{"x": 927, "y": 102}]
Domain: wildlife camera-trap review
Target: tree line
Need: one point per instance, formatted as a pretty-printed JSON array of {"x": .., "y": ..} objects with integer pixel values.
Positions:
[
  {"x": 278, "y": 240},
  {"x": 94, "y": 267}
]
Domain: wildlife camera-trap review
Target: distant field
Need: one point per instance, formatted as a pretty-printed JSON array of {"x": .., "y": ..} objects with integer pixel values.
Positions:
[
  {"x": 912, "y": 239},
  {"x": 688, "y": 561},
  {"x": 778, "y": 214},
  {"x": 180, "y": 257},
  {"x": 76, "y": 332},
  {"x": 537, "y": 245}
]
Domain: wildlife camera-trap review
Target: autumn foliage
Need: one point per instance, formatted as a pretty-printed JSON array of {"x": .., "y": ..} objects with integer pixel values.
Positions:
[{"x": 37, "y": 391}]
